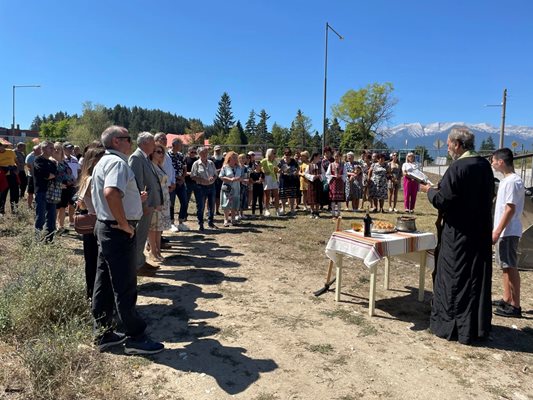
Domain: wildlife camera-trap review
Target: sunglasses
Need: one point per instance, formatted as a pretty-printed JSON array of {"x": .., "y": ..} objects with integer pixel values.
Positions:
[
  {"x": 159, "y": 151},
  {"x": 127, "y": 138}
]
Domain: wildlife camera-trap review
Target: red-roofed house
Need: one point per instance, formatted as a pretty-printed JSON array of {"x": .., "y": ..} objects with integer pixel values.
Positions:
[{"x": 187, "y": 139}]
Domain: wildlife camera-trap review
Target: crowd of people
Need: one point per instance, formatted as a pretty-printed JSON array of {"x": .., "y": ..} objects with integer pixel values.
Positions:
[{"x": 130, "y": 197}]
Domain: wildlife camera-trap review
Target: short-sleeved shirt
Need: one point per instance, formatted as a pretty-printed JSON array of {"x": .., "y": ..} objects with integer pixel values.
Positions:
[
  {"x": 510, "y": 191},
  {"x": 113, "y": 171},
  {"x": 21, "y": 158},
  {"x": 30, "y": 159},
  {"x": 205, "y": 171},
  {"x": 178, "y": 162},
  {"x": 74, "y": 166}
]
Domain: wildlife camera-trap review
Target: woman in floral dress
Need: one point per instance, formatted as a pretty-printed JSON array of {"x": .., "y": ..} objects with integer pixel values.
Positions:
[
  {"x": 336, "y": 176},
  {"x": 394, "y": 181},
  {"x": 231, "y": 179},
  {"x": 352, "y": 191},
  {"x": 161, "y": 216},
  {"x": 378, "y": 176}
]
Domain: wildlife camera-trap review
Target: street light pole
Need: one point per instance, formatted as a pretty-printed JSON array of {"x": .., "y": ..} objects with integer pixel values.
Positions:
[
  {"x": 324, "y": 127},
  {"x": 14, "y": 87}
]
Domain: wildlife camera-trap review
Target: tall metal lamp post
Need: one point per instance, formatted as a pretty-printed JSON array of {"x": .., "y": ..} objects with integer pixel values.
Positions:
[
  {"x": 14, "y": 87},
  {"x": 324, "y": 127},
  {"x": 503, "y": 105}
]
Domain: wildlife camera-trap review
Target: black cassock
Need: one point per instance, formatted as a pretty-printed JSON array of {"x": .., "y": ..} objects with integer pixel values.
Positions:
[{"x": 462, "y": 289}]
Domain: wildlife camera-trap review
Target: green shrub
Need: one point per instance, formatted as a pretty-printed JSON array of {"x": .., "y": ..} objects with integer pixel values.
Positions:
[{"x": 44, "y": 291}]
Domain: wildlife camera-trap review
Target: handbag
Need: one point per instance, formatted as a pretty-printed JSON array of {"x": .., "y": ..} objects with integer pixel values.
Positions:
[
  {"x": 226, "y": 188},
  {"x": 53, "y": 192},
  {"x": 84, "y": 223}
]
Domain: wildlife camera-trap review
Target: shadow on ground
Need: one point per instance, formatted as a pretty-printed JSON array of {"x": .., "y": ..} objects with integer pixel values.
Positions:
[{"x": 173, "y": 315}]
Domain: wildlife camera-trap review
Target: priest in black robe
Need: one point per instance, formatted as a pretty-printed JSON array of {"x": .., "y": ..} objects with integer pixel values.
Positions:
[{"x": 461, "y": 307}]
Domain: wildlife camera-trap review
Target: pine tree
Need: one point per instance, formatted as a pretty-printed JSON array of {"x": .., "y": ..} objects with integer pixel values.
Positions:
[
  {"x": 280, "y": 137},
  {"x": 334, "y": 134},
  {"x": 299, "y": 132},
  {"x": 487, "y": 145},
  {"x": 251, "y": 127},
  {"x": 224, "y": 118},
  {"x": 244, "y": 138},
  {"x": 234, "y": 139},
  {"x": 263, "y": 136}
]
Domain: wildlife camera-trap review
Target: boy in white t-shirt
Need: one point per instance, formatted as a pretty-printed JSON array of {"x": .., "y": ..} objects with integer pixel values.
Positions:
[{"x": 507, "y": 232}]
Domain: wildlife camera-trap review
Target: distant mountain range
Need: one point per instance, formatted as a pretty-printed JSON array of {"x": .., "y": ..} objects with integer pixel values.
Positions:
[{"x": 416, "y": 134}]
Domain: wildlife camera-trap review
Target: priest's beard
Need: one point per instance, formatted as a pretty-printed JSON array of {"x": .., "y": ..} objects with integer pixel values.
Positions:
[
  {"x": 218, "y": 157},
  {"x": 453, "y": 155}
]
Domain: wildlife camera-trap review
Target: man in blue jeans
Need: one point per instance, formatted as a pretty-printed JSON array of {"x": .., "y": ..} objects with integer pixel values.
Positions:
[
  {"x": 44, "y": 170},
  {"x": 204, "y": 174},
  {"x": 180, "y": 190},
  {"x": 118, "y": 206}
]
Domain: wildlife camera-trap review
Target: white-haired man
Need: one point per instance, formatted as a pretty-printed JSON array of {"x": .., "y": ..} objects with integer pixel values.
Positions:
[
  {"x": 148, "y": 181},
  {"x": 118, "y": 205}
]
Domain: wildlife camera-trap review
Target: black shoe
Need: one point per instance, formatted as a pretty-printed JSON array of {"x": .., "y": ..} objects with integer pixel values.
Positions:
[
  {"x": 509, "y": 311},
  {"x": 499, "y": 303},
  {"x": 165, "y": 240},
  {"x": 109, "y": 339},
  {"x": 201, "y": 228},
  {"x": 142, "y": 345},
  {"x": 212, "y": 225}
]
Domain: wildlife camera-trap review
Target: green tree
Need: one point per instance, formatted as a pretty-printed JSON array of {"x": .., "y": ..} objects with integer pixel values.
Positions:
[
  {"x": 334, "y": 133},
  {"x": 280, "y": 137},
  {"x": 244, "y": 137},
  {"x": 300, "y": 131},
  {"x": 263, "y": 135},
  {"x": 487, "y": 145},
  {"x": 55, "y": 130},
  {"x": 93, "y": 121},
  {"x": 316, "y": 141},
  {"x": 234, "y": 139},
  {"x": 224, "y": 117},
  {"x": 365, "y": 110},
  {"x": 250, "y": 128}
]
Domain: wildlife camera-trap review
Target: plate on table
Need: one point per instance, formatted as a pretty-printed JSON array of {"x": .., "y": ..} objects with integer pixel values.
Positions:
[{"x": 390, "y": 230}]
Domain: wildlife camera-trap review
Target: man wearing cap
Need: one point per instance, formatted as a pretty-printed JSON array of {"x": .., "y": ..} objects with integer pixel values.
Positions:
[
  {"x": 74, "y": 166},
  {"x": 218, "y": 160},
  {"x": 180, "y": 190},
  {"x": 8, "y": 179}
]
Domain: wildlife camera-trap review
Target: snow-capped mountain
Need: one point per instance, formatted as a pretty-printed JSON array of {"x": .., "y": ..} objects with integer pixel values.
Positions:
[{"x": 416, "y": 134}]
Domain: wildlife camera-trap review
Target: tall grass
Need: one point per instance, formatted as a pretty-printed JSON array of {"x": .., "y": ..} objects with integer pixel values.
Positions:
[{"x": 45, "y": 320}]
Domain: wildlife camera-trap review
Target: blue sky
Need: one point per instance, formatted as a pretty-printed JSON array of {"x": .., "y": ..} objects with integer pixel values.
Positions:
[{"x": 446, "y": 59}]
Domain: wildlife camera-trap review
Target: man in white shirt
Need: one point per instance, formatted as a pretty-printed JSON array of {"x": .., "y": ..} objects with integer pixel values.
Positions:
[{"x": 508, "y": 231}]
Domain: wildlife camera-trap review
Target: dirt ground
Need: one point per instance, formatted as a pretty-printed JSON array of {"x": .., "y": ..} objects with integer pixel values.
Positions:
[{"x": 236, "y": 311}]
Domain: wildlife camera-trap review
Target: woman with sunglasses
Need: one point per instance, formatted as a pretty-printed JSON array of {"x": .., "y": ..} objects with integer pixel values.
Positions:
[{"x": 161, "y": 216}]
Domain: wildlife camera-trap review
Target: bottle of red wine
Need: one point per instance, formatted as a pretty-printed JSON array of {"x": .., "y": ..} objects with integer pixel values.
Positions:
[{"x": 367, "y": 220}]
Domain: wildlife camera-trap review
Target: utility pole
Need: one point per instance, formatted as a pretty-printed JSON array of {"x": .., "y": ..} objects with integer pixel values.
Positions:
[{"x": 502, "y": 130}]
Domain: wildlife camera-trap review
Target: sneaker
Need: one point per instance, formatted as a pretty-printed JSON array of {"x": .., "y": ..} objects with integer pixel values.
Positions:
[
  {"x": 237, "y": 217},
  {"x": 266, "y": 213},
  {"x": 212, "y": 225},
  {"x": 395, "y": 210},
  {"x": 509, "y": 310},
  {"x": 174, "y": 228},
  {"x": 390, "y": 209},
  {"x": 183, "y": 228},
  {"x": 499, "y": 303},
  {"x": 109, "y": 339},
  {"x": 142, "y": 345}
]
